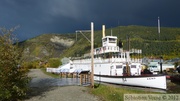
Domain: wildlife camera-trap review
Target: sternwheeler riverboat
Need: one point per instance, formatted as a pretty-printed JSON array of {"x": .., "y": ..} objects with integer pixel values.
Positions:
[{"x": 114, "y": 65}]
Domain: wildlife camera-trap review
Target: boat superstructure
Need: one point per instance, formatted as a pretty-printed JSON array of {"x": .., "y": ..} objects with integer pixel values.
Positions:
[{"x": 110, "y": 59}]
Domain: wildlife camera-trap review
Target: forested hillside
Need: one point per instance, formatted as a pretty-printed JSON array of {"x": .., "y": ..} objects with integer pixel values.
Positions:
[
  {"x": 166, "y": 44},
  {"x": 47, "y": 46}
]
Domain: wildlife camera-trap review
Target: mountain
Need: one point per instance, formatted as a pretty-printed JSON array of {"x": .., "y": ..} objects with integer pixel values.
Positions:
[
  {"x": 46, "y": 46},
  {"x": 166, "y": 44}
]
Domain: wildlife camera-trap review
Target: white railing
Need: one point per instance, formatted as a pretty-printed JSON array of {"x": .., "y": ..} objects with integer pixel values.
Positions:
[
  {"x": 106, "y": 49},
  {"x": 109, "y": 60}
]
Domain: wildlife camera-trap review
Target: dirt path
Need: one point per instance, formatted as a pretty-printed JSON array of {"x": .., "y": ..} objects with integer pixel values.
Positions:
[
  {"x": 37, "y": 73},
  {"x": 42, "y": 90}
]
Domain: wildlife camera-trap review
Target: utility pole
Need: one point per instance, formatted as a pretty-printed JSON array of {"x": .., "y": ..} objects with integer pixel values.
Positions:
[
  {"x": 92, "y": 54},
  {"x": 159, "y": 27},
  {"x": 92, "y": 50},
  {"x": 161, "y": 58}
]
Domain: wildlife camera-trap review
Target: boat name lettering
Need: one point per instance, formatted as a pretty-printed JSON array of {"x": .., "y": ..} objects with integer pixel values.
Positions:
[{"x": 152, "y": 78}]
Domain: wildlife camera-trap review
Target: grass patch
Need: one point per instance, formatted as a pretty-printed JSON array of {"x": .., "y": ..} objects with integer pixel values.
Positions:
[
  {"x": 112, "y": 93},
  {"x": 50, "y": 74},
  {"x": 173, "y": 87}
]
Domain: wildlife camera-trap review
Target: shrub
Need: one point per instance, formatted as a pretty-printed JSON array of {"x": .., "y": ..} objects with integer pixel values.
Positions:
[
  {"x": 54, "y": 62},
  {"x": 13, "y": 77},
  {"x": 29, "y": 65}
]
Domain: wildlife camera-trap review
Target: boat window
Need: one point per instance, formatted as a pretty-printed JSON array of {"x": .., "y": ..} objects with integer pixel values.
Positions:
[
  {"x": 104, "y": 48},
  {"x": 112, "y": 40},
  {"x": 71, "y": 67},
  {"x": 118, "y": 66},
  {"x": 105, "y": 39},
  {"x": 120, "y": 56},
  {"x": 154, "y": 66},
  {"x": 133, "y": 66},
  {"x": 115, "y": 55}
]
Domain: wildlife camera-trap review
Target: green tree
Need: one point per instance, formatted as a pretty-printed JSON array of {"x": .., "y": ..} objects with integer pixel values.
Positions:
[
  {"x": 13, "y": 77},
  {"x": 54, "y": 62}
]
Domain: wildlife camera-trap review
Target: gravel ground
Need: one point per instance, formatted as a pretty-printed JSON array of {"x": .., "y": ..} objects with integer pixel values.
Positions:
[
  {"x": 43, "y": 90},
  {"x": 37, "y": 73}
]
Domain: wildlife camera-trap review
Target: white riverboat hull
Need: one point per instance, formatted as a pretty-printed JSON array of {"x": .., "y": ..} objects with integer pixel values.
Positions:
[{"x": 153, "y": 81}]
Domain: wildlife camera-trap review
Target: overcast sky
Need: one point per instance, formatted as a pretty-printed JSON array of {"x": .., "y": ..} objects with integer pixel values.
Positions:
[{"x": 36, "y": 17}]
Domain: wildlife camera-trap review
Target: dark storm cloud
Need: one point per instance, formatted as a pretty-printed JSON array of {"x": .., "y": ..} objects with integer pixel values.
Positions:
[{"x": 63, "y": 16}]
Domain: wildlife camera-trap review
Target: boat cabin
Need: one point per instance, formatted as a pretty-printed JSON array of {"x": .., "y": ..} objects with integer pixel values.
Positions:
[{"x": 109, "y": 44}]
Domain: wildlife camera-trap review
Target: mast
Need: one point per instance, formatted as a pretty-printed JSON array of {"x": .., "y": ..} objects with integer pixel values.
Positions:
[{"x": 111, "y": 31}]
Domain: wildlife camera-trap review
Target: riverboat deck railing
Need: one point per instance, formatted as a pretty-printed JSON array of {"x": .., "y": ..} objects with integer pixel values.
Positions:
[{"x": 108, "y": 60}]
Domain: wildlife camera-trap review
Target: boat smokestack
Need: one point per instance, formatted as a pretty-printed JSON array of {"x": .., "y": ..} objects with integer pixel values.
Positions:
[{"x": 103, "y": 31}]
